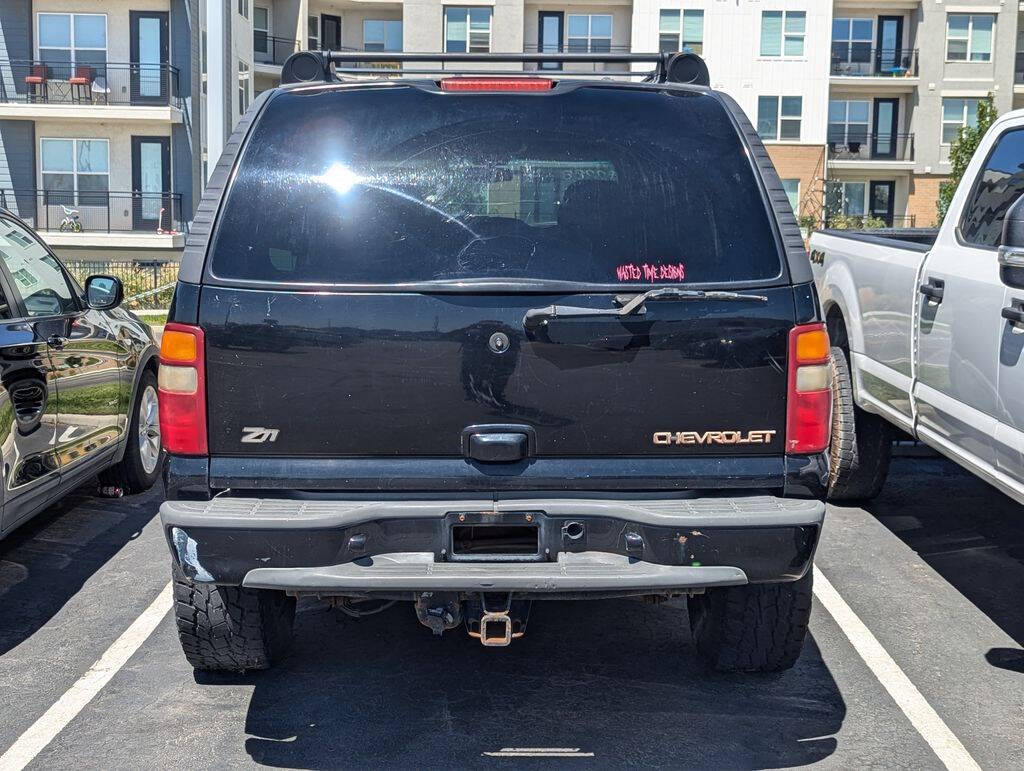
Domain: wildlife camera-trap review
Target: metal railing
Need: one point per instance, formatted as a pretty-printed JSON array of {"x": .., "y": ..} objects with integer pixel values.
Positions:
[
  {"x": 872, "y": 147},
  {"x": 594, "y": 47},
  {"x": 851, "y": 60},
  {"x": 99, "y": 211},
  {"x": 869, "y": 221},
  {"x": 267, "y": 49},
  {"x": 96, "y": 83},
  {"x": 147, "y": 283}
]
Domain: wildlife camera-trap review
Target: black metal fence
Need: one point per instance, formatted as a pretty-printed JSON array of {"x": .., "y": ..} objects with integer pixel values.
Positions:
[
  {"x": 871, "y": 147},
  {"x": 148, "y": 284},
  {"x": 860, "y": 60},
  {"x": 95, "y": 83},
  {"x": 96, "y": 211},
  {"x": 267, "y": 49}
]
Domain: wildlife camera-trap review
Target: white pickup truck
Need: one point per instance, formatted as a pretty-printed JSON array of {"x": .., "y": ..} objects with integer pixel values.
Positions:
[{"x": 928, "y": 330}]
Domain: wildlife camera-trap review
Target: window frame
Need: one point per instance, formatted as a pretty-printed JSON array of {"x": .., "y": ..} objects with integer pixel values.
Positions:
[
  {"x": 864, "y": 202},
  {"x": 71, "y": 48},
  {"x": 969, "y": 39},
  {"x": 796, "y": 207},
  {"x": 243, "y": 8},
  {"x": 780, "y": 117},
  {"x": 244, "y": 86},
  {"x": 266, "y": 31},
  {"x": 785, "y": 15},
  {"x": 75, "y": 191},
  {"x": 846, "y": 123},
  {"x": 9, "y": 284},
  {"x": 309, "y": 38},
  {"x": 964, "y": 113},
  {"x": 681, "y": 43},
  {"x": 850, "y": 39},
  {"x": 590, "y": 37},
  {"x": 445, "y": 10},
  {"x": 384, "y": 42}
]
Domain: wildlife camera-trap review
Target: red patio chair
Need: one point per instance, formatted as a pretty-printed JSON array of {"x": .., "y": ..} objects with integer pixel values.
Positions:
[
  {"x": 81, "y": 83},
  {"x": 36, "y": 80}
]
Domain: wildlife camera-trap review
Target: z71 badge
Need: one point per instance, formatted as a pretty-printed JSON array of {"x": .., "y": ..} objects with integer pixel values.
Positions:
[{"x": 764, "y": 436}]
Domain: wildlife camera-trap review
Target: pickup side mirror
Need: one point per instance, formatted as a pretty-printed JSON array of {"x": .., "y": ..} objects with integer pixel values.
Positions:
[
  {"x": 103, "y": 292},
  {"x": 1011, "y": 250}
]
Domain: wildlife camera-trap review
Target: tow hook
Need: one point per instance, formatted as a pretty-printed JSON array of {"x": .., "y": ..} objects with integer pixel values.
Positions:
[{"x": 496, "y": 619}]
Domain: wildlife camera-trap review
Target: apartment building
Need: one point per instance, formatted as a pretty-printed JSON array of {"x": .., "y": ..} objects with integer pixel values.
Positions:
[
  {"x": 98, "y": 142},
  {"x": 118, "y": 110}
]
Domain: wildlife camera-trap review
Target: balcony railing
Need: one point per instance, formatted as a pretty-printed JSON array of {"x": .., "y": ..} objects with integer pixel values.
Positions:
[
  {"x": 96, "y": 211},
  {"x": 869, "y": 221},
  {"x": 267, "y": 49},
  {"x": 872, "y": 147},
  {"x": 851, "y": 60},
  {"x": 98, "y": 83},
  {"x": 582, "y": 47}
]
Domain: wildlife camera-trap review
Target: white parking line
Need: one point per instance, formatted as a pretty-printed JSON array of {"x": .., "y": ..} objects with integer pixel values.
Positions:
[
  {"x": 926, "y": 720},
  {"x": 54, "y": 720}
]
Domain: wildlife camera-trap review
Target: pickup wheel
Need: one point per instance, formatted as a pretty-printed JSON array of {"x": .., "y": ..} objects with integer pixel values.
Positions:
[
  {"x": 228, "y": 628},
  {"x": 861, "y": 442},
  {"x": 752, "y": 628}
]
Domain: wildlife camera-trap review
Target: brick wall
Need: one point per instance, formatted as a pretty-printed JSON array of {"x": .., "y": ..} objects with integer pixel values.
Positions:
[
  {"x": 806, "y": 163},
  {"x": 923, "y": 197}
]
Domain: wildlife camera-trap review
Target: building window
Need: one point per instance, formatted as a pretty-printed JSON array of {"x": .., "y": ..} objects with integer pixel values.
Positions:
[
  {"x": 848, "y": 121},
  {"x": 782, "y": 33},
  {"x": 73, "y": 38},
  {"x": 590, "y": 33},
  {"x": 846, "y": 198},
  {"x": 969, "y": 37},
  {"x": 243, "y": 8},
  {"x": 851, "y": 42},
  {"x": 78, "y": 167},
  {"x": 467, "y": 29},
  {"x": 261, "y": 30},
  {"x": 957, "y": 113},
  {"x": 792, "y": 188},
  {"x": 382, "y": 35},
  {"x": 681, "y": 31},
  {"x": 243, "y": 87},
  {"x": 779, "y": 117},
  {"x": 313, "y": 33}
]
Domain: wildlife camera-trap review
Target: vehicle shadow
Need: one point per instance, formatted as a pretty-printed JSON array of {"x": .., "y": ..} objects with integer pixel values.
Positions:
[
  {"x": 970, "y": 533},
  {"x": 617, "y": 678},
  {"x": 45, "y": 562}
]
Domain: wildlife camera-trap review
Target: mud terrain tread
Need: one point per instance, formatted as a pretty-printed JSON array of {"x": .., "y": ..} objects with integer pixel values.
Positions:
[
  {"x": 861, "y": 442},
  {"x": 752, "y": 628},
  {"x": 228, "y": 628}
]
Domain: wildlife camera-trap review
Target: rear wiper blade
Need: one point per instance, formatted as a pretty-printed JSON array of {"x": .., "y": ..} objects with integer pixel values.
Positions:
[{"x": 537, "y": 317}]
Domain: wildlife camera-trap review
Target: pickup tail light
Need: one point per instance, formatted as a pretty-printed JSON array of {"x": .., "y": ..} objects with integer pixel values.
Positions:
[
  {"x": 182, "y": 386},
  {"x": 809, "y": 399}
]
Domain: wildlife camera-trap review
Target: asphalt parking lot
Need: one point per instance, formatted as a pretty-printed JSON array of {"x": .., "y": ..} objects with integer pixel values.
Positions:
[{"x": 934, "y": 569}]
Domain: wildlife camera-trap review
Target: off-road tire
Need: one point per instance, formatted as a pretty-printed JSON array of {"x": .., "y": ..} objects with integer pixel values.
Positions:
[
  {"x": 129, "y": 474},
  {"x": 231, "y": 629},
  {"x": 752, "y": 628},
  {"x": 861, "y": 445}
]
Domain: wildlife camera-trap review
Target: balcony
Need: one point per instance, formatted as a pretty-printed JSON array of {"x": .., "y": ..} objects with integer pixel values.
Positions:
[
  {"x": 595, "y": 47},
  {"x": 851, "y": 61},
  {"x": 104, "y": 89},
  {"x": 269, "y": 51},
  {"x": 873, "y": 149},
  {"x": 100, "y": 217}
]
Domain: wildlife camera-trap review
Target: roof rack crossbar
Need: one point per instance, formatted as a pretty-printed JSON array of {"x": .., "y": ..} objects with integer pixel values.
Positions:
[{"x": 320, "y": 66}]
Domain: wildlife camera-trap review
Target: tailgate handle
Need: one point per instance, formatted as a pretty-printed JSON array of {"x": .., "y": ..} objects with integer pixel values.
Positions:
[{"x": 497, "y": 448}]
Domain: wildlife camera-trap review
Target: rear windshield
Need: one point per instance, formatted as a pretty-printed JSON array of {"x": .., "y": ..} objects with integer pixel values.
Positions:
[{"x": 397, "y": 184}]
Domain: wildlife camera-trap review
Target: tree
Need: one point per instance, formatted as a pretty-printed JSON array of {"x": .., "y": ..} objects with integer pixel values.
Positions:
[{"x": 962, "y": 150}]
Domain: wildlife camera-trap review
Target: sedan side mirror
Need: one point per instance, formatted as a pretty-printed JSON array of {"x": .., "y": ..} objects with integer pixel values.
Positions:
[
  {"x": 1011, "y": 249},
  {"x": 103, "y": 292}
]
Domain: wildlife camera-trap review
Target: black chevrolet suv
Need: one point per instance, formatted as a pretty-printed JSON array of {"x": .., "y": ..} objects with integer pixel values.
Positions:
[{"x": 473, "y": 340}]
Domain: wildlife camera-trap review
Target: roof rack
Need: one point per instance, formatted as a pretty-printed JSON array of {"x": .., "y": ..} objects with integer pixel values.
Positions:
[{"x": 325, "y": 66}]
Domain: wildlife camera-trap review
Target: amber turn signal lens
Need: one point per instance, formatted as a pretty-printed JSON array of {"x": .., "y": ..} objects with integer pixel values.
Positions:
[
  {"x": 178, "y": 346},
  {"x": 812, "y": 345}
]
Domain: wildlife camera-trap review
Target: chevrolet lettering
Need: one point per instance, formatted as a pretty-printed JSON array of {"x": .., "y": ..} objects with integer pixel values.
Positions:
[{"x": 763, "y": 436}]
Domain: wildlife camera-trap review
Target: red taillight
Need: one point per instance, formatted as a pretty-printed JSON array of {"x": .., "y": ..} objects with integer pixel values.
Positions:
[
  {"x": 182, "y": 386},
  {"x": 809, "y": 401},
  {"x": 497, "y": 84}
]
